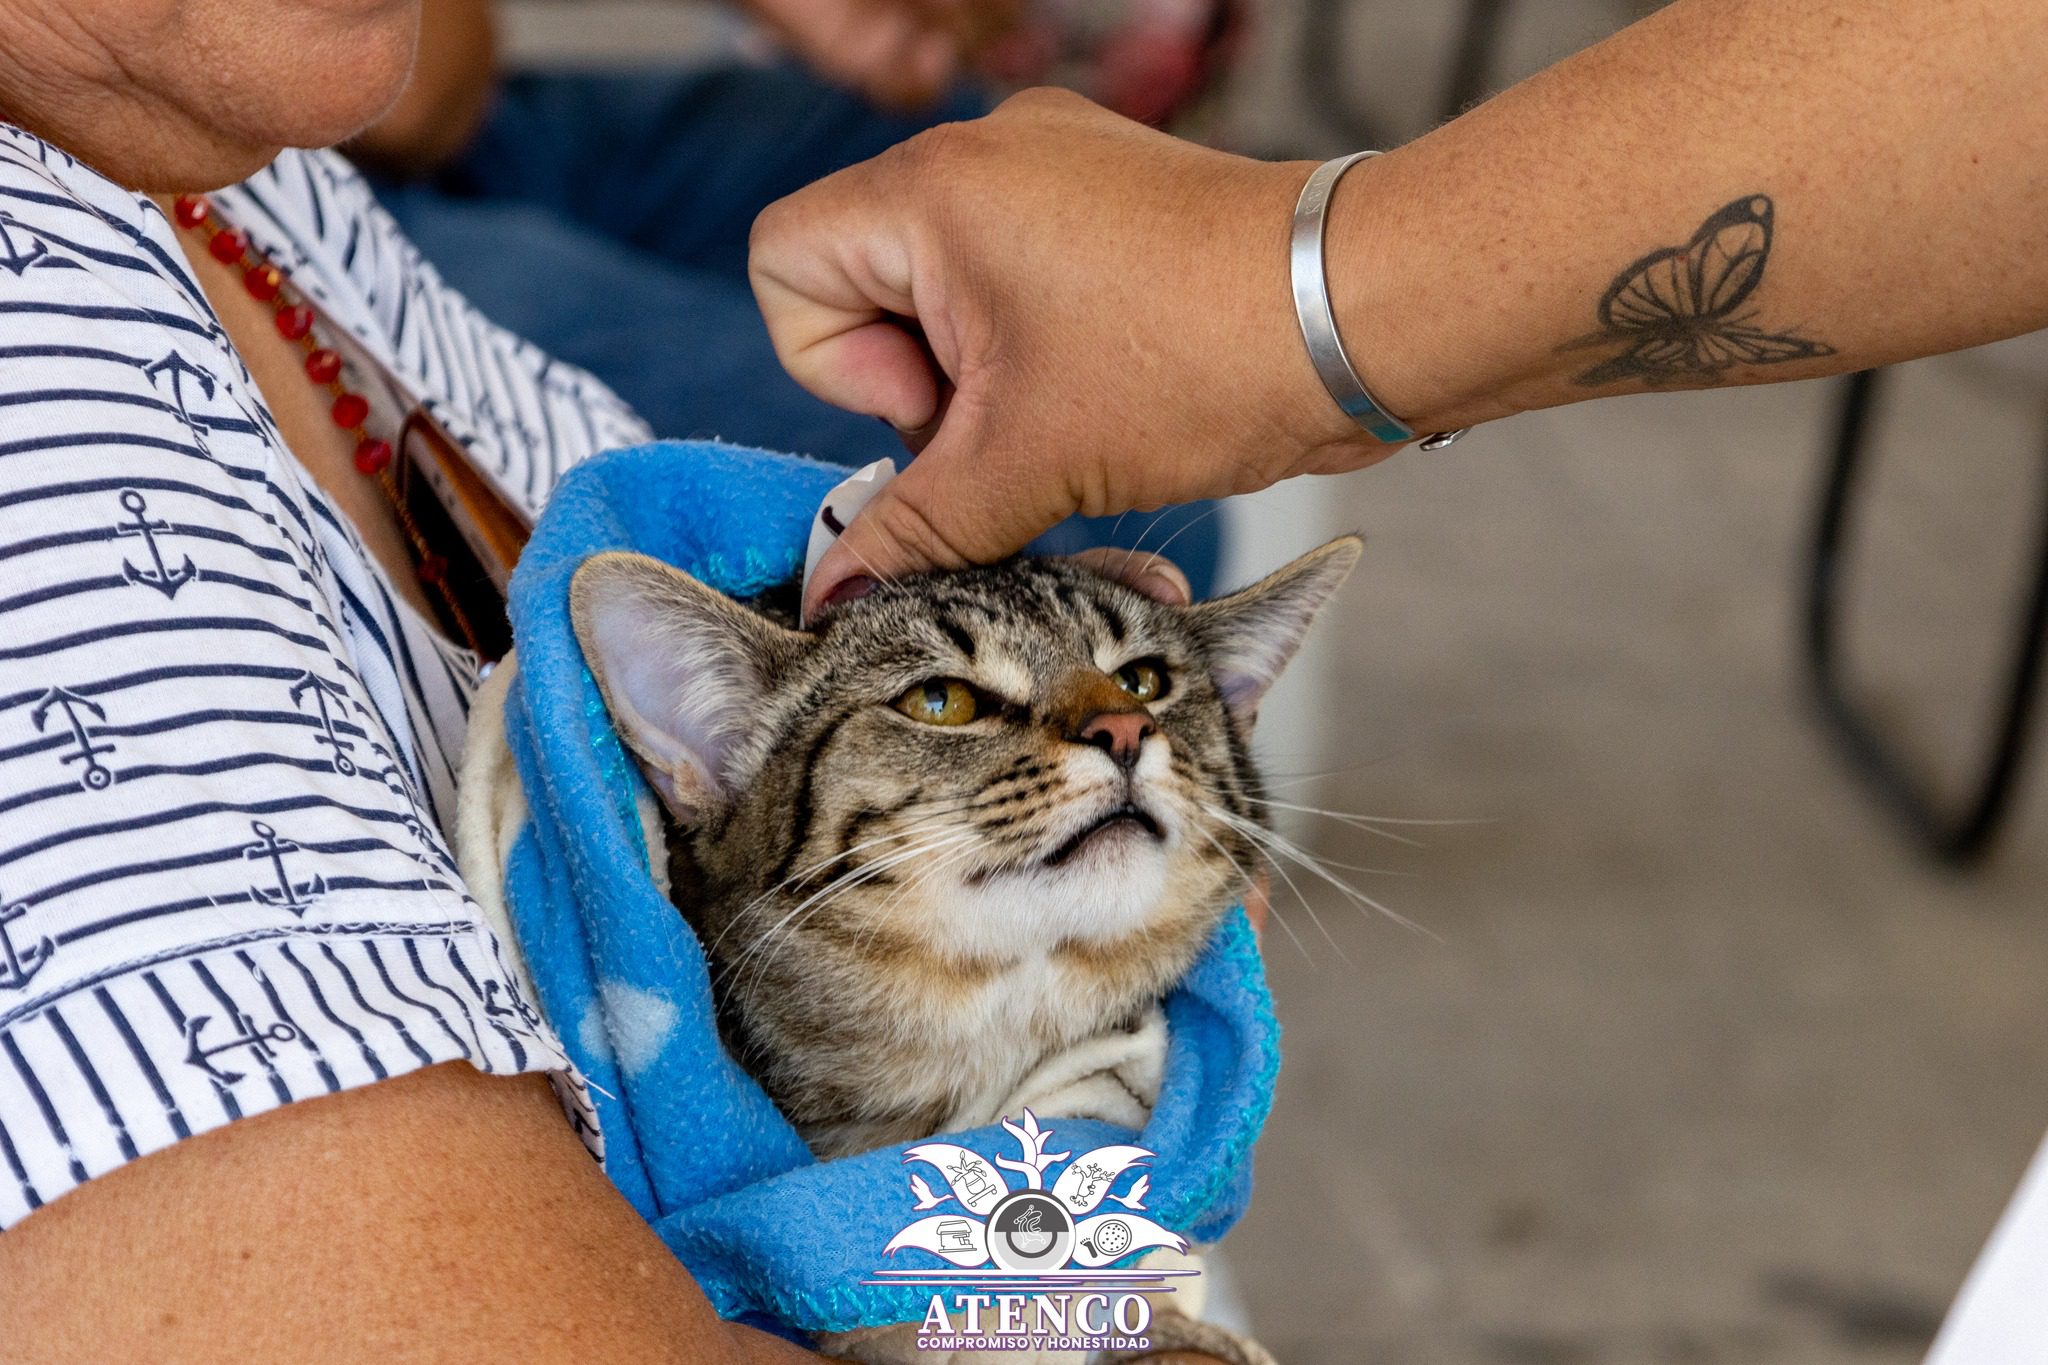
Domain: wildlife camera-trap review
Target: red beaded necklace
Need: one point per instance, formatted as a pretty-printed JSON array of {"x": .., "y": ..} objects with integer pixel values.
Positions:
[{"x": 349, "y": 410}]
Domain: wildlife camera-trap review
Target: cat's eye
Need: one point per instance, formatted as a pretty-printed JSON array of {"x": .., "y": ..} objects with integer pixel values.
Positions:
[
  {"x": 1144, "y": 679},
  {"x": 942, "y": 701}
]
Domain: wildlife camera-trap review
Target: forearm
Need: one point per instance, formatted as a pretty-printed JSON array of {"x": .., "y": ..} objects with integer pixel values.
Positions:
[
  {"x": 442, "y": 1216},
  {"x": 1901, "y": 146},
  {"x": 1104, "y": 319}
]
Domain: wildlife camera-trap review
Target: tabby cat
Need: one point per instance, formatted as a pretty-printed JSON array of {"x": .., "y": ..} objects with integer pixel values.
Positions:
[{"x": 971, "y": 819}]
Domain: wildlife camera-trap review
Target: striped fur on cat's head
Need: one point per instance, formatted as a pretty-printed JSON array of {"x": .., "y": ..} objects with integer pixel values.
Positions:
[{"x": 971, "y": 818}]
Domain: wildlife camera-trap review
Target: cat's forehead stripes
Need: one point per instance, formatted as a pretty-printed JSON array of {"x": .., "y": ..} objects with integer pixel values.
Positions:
[
  {"x": 1096, "y": 603},
  {"x": 954, "y": 631},
  {"x": 1004, "y": 673},
  {"x": 1043, "y": 615}
]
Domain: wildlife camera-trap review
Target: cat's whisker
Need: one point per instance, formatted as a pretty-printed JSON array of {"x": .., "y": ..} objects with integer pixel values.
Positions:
[
  {"x": 1116, "y": 526},
  {"x": 1281, "y": 868},
  {"x": 1131, "y": 552},
  {"x": 1386, "y": 834},
  {"x": 1295, "y": 777},
  {"x": 1400, "y": 820},
  {"x": 785, "y": 929},
  {"x": 794, "y": 879},
  {"x": 1271, "y": 910},
  {"x": 913, "y": 830},
  {"x": 1275, "y": 844},
  {"x": 916, "y": 884},
  {"x": 1352, "y": 867},
  {"x": 1368, "y": 824},
  {"x": 1364, "y": 867},
  {"x": 1314, "y": 918},
  {"x": 1351, "y": 817},
  {"x": 805, "y": 874},
  {"x": 1190, "y": 525},
  {"x": 767, "y": 898},
  {"x": 1137, "y": 546},
  {"x": 874, "y": 867},
  {"x": 873, "y": 573},
  {"x": 861, "y": 871},
  {"x": 1280, "y": 919},
  {"x": 947, "y": 856}
]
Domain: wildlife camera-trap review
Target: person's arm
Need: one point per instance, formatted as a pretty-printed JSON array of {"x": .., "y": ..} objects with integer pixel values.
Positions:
[
  {"x": 224, "y": 899},
  {"x": 445, "y": 1216},
  {"x": 1900, "y": 148},
  {"x": 1109, "y": 309}
]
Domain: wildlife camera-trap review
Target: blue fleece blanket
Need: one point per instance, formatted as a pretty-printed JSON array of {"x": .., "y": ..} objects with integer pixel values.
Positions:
[{"x": 771, "y": 1234}]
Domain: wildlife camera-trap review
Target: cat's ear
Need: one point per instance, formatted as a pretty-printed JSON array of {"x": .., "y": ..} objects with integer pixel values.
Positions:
[
  {"x": 684, "y": 669},
  {"x": 1251, "y": 634}
]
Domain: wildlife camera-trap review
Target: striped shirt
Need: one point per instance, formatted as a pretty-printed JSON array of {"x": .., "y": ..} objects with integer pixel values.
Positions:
[{"x": 227, "y": 745}]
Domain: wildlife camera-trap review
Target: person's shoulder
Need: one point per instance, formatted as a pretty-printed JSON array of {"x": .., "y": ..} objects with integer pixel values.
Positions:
[
  {"x": 522, "y": 414},
  {"x": 50, "y": 197},
  {"x": 33, "y": 170},
  {"x": 107, "y": 343},
  {"x": 89, "y": 255}
]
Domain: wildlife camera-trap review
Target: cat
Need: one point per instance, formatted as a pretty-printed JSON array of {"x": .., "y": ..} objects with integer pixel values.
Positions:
[{"x": 971, "y": 819}]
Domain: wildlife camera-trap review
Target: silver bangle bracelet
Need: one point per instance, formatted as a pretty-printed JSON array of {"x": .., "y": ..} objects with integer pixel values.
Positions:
[{"x": 1319, "y": 323}]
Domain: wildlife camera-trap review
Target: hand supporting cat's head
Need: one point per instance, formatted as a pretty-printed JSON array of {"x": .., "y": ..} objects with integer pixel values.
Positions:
[{"x": 972, "y": 816}]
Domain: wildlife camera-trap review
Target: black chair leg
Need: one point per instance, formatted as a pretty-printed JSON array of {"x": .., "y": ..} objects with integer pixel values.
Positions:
[{"x": 1959, "y": 835}]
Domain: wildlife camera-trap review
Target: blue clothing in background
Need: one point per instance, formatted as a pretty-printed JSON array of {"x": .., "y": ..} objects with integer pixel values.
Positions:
[{"x": 604, "y": 216}]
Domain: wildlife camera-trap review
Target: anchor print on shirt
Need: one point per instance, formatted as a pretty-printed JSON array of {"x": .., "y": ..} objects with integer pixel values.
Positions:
[
  {"x": 163, "y": 578},
  {"x": 282, "y": 893},
  {"x": 322, "y": 692},
  {"x": 200, "y": 1053},
  {"x": 18, "y": 961},
  {"x": 518, "y": 1009},
  {"x": 21, "y": 250},
  {"x": 173, "y": 369},
  {"x": 96, "y": 775}
]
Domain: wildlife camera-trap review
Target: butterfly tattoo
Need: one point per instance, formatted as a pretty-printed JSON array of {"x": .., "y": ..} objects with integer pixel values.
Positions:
[{"x": 1680, "y": 309}]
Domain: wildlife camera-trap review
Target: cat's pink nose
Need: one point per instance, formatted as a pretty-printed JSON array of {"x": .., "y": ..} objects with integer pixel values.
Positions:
[{"x": 1119, "y": 733}]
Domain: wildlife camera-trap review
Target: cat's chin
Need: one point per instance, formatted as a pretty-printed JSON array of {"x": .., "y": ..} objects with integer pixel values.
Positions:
[{"x": 1105, "y": 884}]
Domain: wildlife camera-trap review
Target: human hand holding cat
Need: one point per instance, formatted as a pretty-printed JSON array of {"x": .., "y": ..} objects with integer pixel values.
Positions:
[
  {"x": 1073, "y": 313},
  {"x": 1161, "y": 364}
]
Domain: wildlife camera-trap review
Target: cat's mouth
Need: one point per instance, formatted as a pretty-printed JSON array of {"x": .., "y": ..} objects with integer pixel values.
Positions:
[{"x": 1128, "y": 816}]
